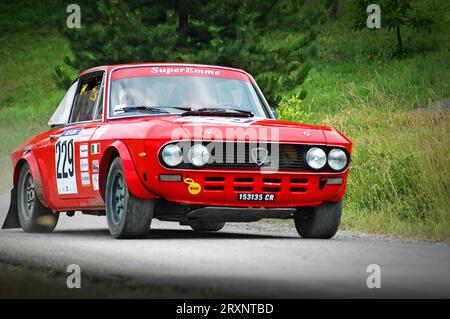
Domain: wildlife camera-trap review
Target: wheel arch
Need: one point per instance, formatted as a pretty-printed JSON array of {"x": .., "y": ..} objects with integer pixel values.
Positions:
[
  {"x": 17, "y": 170},
  {"x": 134, "y": 183},
  {"x": 108, "y": 156},
  {"x": 35, "y": 172}
]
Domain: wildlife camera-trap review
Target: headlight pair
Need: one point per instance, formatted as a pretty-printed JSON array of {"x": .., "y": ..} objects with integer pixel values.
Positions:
[
  {"x": 317, "y": 158},
  {"x": 172, "y": 155}
]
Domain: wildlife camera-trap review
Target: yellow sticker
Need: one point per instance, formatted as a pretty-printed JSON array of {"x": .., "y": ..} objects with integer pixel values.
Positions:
[
  {"x": 83, "y": 88},
  {"x": 93, "y": 94},
  {"x": 193, "y": 187}
]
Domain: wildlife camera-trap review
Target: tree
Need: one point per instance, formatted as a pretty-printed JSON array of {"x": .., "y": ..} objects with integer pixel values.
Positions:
[
  {"x": 395, "y": 15},
  {"x": 271, "y": 39},
  {"x": 334, "y": 7}
]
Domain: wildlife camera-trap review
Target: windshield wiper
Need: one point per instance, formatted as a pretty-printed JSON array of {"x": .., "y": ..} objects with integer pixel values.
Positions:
[
  {"x": 142, "y": 108},
  {"x": 182, "y": 108},
  {"x": 219, "y": 112},
  {"x": 211, "y": 111}
]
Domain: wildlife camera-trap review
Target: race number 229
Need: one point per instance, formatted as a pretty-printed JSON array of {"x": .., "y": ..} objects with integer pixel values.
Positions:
[
  {"x": 65, "y": 163},
  {"x": 64, "y": 159}
]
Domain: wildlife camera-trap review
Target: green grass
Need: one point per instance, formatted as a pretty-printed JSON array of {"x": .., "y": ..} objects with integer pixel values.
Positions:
[
  {"x": 353, "y": 65},
  {"x": 399, "y": 178},
  {"x": 30, "y": 47}
]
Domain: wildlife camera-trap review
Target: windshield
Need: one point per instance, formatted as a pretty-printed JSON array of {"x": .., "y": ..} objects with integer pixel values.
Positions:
[{"x": 177, "y": 94}]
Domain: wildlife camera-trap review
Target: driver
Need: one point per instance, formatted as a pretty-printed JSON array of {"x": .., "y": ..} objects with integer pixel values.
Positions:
[{"x": 197, "y": 94}]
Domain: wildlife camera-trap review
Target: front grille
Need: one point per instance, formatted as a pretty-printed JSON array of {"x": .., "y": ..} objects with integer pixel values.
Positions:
[
  {"x": 241, "y": 155},
  {"x": 238, "y": 155}
]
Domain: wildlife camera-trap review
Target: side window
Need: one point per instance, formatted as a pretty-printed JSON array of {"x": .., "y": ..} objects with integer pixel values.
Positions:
[
  {"x": 99, "y": 106},
  {"x": 86, "y": 99},
  {"x": 62, "y": 113}
]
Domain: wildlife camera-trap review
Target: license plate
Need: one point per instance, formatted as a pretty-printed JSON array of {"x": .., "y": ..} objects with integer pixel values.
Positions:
[{"x": 257, "y": 197}]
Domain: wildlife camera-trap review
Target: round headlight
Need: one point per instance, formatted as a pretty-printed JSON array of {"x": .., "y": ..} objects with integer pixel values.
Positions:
[
  {"x": 316, "y": 158},
  {"x": 198, "y": 155},
  {"x": 337, "y": 159},
  {"x": 172, "y": 155}
]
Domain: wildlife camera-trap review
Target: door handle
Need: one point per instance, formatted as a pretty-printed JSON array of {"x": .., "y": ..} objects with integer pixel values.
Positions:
[{"x": 54, "y": 137}]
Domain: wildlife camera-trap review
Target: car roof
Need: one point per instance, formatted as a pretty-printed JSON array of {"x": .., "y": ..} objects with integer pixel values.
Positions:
[{"x": 108, "y": 68}]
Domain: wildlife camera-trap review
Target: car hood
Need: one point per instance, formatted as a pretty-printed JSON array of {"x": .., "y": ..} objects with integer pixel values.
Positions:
[{"x": 254, "y": 129}]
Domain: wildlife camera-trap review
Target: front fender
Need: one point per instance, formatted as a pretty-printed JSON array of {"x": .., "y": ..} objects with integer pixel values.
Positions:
[
  {"x": 134, "y": 183},
  {"x": 40, "y": 185}
]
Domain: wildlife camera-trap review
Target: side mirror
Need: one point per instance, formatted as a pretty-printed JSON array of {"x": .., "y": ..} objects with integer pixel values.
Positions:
[{"x": 275, "y": 113}]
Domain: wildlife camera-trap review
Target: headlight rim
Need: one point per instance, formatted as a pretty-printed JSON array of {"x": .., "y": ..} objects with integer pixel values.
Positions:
[
  {"x": 325, "y": 156},
  {"x": 189, "y": 157},
  {"x": 347, "y": 159},
  {"x": 163, "y": 160}
]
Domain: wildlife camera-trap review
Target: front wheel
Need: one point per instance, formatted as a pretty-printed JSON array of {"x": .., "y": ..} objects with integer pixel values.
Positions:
[
  {"x": 33, "y": 216},
  {"x": 128, "y": 216},
  {"x": 318, "y": 222}
]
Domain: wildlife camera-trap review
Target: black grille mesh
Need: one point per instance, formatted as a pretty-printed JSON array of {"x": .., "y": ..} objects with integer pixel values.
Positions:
[{"x": 238, "y": 155}]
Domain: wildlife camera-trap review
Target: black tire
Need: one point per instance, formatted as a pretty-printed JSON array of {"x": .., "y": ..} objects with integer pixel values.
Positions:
[
  {"x": 34, "y": 217},
  {"x": 128, "y": 216},
  {"x": 318, "y": 222},
  {"x": 202, "y": 225}
]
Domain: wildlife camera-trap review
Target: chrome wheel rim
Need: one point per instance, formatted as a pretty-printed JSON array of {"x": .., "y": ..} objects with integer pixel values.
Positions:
[
  {"x": 118, "y": 197},
  {"x": 29, "y": 196}
]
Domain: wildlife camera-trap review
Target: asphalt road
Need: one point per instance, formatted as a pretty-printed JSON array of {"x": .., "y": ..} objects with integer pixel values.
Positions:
[{"x": 242, "y": 260}]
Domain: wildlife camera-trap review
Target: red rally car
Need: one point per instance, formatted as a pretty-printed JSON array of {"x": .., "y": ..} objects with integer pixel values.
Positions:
[{"x": 194, "y": 144}]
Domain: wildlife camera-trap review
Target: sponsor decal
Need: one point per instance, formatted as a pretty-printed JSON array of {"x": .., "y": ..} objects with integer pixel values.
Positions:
[
  {"x": 95, "y": 148},
  {"x": 194, "y": 188},
  {"x": 185, "y": 70},
  {"x": 85, "y": 179},
  {"x": 84, "y": 165},
  {"x": 66, "y": 181},
  {"x": 95, "y": 166},
  {"x": 83, "y": 150},
  {"x": 71, "y": 132},
  {"x": 95, "y": 182}
]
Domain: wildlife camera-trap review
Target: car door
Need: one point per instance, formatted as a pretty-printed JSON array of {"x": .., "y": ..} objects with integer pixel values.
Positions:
[{"x": 69, "y": 146}]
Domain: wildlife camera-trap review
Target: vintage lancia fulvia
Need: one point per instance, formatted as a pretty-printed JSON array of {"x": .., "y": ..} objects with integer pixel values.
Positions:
[{"x": 193, "y": 144}]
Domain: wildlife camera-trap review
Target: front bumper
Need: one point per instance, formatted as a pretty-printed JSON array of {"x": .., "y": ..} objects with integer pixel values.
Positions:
[{"x": 219, "y": 188}]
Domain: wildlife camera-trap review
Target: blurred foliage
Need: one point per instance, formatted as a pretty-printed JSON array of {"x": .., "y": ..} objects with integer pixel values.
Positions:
[
  {"x": 271, "y": 39},
  {"x": 290, "y": 109},
  {"x": 418, "y": 15}
]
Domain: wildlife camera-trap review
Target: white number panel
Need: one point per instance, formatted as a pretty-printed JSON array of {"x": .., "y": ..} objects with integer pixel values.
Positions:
[{"x": 66, "y": 179}]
